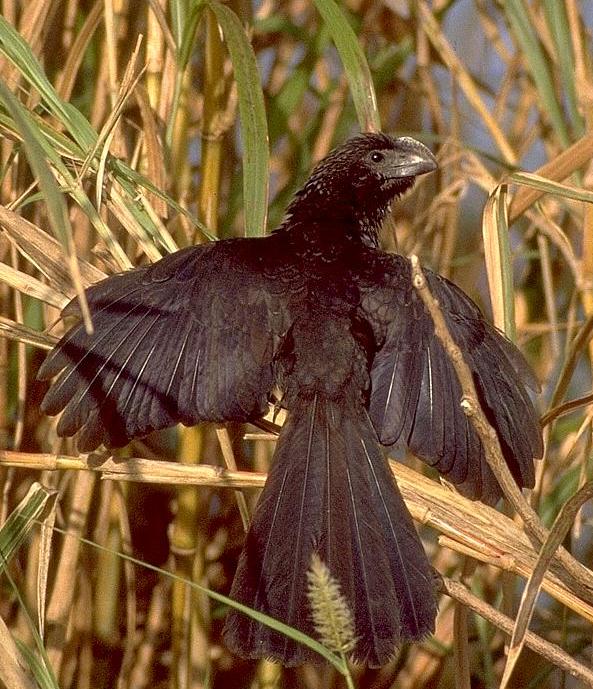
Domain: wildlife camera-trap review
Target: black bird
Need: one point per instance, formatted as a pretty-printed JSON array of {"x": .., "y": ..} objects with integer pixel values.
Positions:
[{"x": 319, "y": 312}]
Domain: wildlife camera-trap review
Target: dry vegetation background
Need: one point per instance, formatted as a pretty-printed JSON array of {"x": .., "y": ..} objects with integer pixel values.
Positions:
[{"x": 128, "y": 129}]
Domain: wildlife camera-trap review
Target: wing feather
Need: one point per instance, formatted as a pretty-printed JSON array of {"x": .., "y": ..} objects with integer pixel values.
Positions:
[
  {"x": 415, "y": 396},
  {"x": 188, "y": 339}
]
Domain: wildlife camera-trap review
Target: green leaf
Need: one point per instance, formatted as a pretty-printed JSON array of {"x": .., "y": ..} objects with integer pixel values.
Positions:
[
  {"x": 527, "y": 36},
  {"x": 21, "y": 520},
  {"x": 355, "y": 64},
  {"x": 178, "y": 10},
  {"x": 252, "y": 114},
  {"x": 41, "y": 670},
  {"x": 128, "y": 178},
  {"x": 562, "y": 37},
  {"x": 35, "y": 150},
  {"x": 271, "y": 622},
  {"x": 189, "y": 34},
  {"x": 14, "y": 47}
]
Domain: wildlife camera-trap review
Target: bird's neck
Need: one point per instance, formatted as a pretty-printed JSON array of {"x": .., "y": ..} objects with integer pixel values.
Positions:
[
  {"x": 334, "y": 229},
  {"x": 331, "y": 236}
]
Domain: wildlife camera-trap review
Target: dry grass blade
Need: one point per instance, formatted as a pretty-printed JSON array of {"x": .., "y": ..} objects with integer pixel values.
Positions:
[
  {"x": 562, "y": 525},
  {"x": 36, "y": 151},
  {"x": 498, "y": 260},
  {"x": 66, "y": 80},
  {"x": 548, "y": 186},
  {"x": 155, "y": 160},
  {"x": 466, "y": 83},
  {"x": 562, "y": 166},
  {"x": 32, "y": 287},
  {"x": 480, "y": 532},
  {"x": 17, "y": 332},
  {"x": 226, "y": 448},
  {"x": 130, "y": 79},
  {"x": 566, "y": 408},
  {"x": 550, "y": 229},
  {"x": 136, "y": 469},
  {"x": 461, "y": 647},
  {"x": 549, "y": 293},
  {"x": 60, "y": 606},
  {"x": 118, "y": 205},
  {"x": 45, "y": 555},
  {"x": 577, "y": 346},
  {"x": 547, "y": 650},
  {"x": 13, "y": 668},
  {"x": 500, "y": 542},
  {"x": 22, "y": 520},
  {"x": 468, "y": 527},
  {"x": 45, "y": 253},
  {"x": 317, "y": 67}
]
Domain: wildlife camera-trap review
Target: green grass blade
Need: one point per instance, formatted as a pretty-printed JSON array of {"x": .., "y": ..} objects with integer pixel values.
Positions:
[
  {"x": 40, "y": 670},
  {"x": 37, "y": 150},
  {"x": 355, "y": 64},
  {"x": 38, "y": 666},
  {"x": 185, "y": 21},
  {"x": 252, "y": 114},
  {"x": 189, "y": 33},
  {"x": 178, "y": 10},
  {"x": 14, "y": 673},
  {"x": 13, "y": 46},
  {"x": 271, "y": 622},
  {"x": 560, "y": 30},
  {"x": 54, "y": 200},
  {"x": 128, "y": 178},
  {"x": 34, "y": 148},
  {"x": 40, "y": 149},
  {"x": 21, "y": 520},
  {"x": 529, "y": 41}
]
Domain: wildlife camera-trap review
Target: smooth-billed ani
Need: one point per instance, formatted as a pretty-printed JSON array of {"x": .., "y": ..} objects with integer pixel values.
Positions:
[{"x": 318, "y": 311}]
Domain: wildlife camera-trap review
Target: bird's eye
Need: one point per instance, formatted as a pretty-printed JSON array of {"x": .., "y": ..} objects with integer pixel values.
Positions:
[{"x": 377, "y": 157}]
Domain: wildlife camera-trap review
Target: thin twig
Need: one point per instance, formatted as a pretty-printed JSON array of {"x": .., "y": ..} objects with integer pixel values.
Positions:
[
  {"x": 544, "y": 648},
  {"x": 226, "y": 447},
  {"x": 469, "y": 528},
  {"x": 581, "y": 577},
  {"x": 580, "y": 341},
  {"x": 566, "y": 408}
]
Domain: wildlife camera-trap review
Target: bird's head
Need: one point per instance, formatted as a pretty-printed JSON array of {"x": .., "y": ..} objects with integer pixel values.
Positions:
[{"x": 355, "y": 184}]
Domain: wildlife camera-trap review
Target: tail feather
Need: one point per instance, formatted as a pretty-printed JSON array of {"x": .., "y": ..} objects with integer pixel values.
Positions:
[{"x": 330, "y": 492}]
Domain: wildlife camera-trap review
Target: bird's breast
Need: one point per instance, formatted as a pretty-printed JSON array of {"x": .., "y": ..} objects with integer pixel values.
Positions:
[{"x": 321, "y": 353}]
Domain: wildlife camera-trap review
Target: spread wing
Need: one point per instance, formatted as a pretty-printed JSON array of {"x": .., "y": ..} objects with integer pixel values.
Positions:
[
  {"x": 187, "y": 339},
  {"x": 415, "y": 394}
]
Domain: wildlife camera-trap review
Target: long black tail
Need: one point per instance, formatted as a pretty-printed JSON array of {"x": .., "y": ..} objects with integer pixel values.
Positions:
[{"x": 330, "y": 492}]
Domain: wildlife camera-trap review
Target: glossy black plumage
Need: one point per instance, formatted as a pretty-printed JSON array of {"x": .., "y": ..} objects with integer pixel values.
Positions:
[
  {"x": 317, "y": 310},
  {"x": 367, "y": 540}
]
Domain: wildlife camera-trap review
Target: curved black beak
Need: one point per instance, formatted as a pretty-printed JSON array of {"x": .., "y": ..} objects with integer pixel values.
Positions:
[{"x": 412, "y": 158}]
